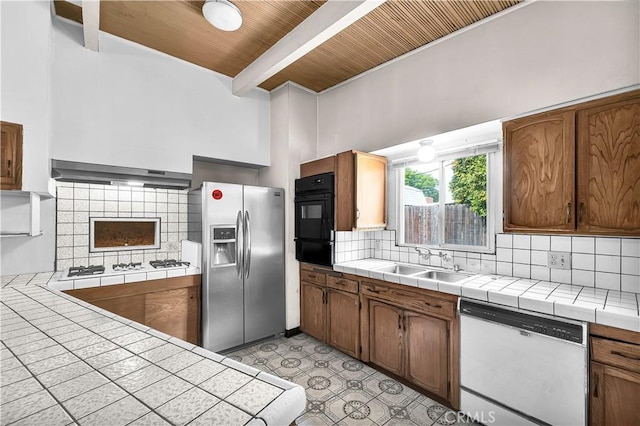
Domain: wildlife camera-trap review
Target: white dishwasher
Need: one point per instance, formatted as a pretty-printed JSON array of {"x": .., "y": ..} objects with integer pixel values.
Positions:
[{"x": 522, "y": 369}]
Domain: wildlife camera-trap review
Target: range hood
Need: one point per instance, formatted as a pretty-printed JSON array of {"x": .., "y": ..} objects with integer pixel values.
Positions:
[{"x": 72, "y": 171}]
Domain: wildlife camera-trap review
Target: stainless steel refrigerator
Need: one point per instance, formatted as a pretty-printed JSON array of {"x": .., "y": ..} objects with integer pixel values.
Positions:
[{"x": 241, "y": 229}]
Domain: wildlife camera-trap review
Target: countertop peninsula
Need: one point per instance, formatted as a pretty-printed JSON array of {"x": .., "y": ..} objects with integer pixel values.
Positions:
[{"x": 65, "y": 361}]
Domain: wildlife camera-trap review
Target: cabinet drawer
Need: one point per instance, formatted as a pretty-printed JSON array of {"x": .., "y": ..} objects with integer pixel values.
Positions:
[
  {"x": 313, "y": 277},
  {"x": 410, "y": 300},
  {"x": 344, "y": 284},
  {"x": 618, "y": 354}
]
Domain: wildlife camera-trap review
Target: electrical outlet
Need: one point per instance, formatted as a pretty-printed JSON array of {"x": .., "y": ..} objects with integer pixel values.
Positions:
[
  {"x": 378, "y": 245},
  {"x": 559, "y": 260}
]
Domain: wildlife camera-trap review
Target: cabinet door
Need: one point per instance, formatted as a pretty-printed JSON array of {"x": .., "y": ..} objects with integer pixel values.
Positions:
[
  {"x": 539, "y": 173},
  {"x": 614, "y": 396},
  {"x": 371, "y": 188},
  {"x": 361, "y": 185},
  {"x": 385, "y": 337},
  {"x": 174, "y": 312},
  {"x": 10, "y": 155},
  {"x": 343, "y": 321},
  {"x": 609, "y": 168},
  {"x": 427, "y": 353},
  {"x": 345, "y": 196},
  {"x": 312, "y": 310}
]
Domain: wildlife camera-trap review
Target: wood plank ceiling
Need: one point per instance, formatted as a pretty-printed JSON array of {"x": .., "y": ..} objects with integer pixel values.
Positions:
[{"x": 179, "y": 29}]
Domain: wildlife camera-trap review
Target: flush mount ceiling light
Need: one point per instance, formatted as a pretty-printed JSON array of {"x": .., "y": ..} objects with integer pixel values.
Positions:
[
  {"x": 427, "y": 152},
  {"x": 222, "y": 14}
]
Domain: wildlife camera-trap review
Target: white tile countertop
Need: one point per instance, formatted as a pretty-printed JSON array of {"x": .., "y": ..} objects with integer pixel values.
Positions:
[
  {"x": 111, "y": 277},
  {"x": 595, "y": 305},
  {"x": 65, "y": 361}
]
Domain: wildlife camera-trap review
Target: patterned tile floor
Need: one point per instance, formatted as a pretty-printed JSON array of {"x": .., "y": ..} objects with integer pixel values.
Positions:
[{"x": 342, "y": 390}]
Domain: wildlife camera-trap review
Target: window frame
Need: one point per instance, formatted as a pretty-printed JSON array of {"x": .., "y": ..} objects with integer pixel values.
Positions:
[{"x": 494, "y": 194}]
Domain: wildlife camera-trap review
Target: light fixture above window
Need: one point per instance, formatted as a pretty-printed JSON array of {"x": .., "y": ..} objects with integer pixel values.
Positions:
[
  {"x": 222, "y": 14},
  {"x": 427, "y": 152}
]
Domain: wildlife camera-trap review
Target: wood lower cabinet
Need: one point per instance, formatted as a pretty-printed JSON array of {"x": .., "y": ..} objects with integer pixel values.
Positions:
[
  {"x": 313, "y": 310},
  {"x": 412, "y": 334},
  {"x": 343, "y": 321},
  {"x": 330, "y": 308},
  {"x": 575, "y": 170},
  {"x": 170, "y": 305},
  {"x": 409, "y": 332},
  {"x": 614, "y": 394},
  {"x": 10, "y": 155},
  {"x": 174, "y": 312},
  {"x": 427, "y": 349},
  {"x": 130, "y": 307},
  {"x": 386, "y": 337}
]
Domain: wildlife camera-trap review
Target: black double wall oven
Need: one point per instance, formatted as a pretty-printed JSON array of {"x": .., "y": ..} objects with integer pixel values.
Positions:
[{"x": 314, "y": 219}]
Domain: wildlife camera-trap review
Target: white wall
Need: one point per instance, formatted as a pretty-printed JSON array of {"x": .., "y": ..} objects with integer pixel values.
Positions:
[
  {"x": 542, "y": 54},
  {"x": 132, "y": 106},
  {"x": 22, "y": 255},
  {"x": 293, "y": 140},
  {"x": 26, "y": 57},
  {"x": 25, "y": 98},
  {"x": 211, "y": 172}
]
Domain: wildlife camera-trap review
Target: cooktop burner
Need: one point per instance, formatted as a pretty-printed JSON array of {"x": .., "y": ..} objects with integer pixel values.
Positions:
[
  {"x": 86, "y": 270},
  {"x": 127, "y": 266},
  {"x": 167, "y": 263}
]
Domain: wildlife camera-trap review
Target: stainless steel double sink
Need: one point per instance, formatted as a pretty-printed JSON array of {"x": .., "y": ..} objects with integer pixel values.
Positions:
[{"x": 420, "y": 272}]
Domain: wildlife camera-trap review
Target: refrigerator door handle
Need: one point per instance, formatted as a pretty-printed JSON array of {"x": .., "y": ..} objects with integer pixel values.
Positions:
[
  {"x": 247, "y": 245},
  {"x": 239, "y": 244}
]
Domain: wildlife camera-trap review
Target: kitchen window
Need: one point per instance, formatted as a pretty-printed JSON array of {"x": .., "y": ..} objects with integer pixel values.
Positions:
[{"x": 448, "y": 204}]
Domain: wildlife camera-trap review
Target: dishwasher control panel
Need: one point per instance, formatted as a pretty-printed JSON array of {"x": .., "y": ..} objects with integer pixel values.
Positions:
[{"x": 541, "y": 325}]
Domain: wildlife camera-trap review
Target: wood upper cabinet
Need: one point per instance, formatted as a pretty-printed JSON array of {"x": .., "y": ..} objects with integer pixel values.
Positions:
[
  {"x": 361, "y": 184},
  {"x": 576, "y": 169},
  {"x": 316, "y": 167},
  {"x": 386, "y": 337},
  {"x": 539, "y": 173},
  {"x": 10, "y": 156},
  {"x": 609, "y": 168},
  {"x": 360, "y": 188},
  {"x": 614, "y": 393}
]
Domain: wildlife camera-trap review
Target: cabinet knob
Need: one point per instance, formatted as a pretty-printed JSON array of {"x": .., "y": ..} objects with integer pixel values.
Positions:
[
  {"x": 596, "y": 385},
  {"x": 581, "y": 213},
  {"x": 569, "y": 212},
  {"x": 8, "y": 168}
]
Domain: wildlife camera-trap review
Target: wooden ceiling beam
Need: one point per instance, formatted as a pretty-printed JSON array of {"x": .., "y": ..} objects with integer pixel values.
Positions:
[
  {"x": 324, "y": 23},
  {"x": 91, "y": 23}
]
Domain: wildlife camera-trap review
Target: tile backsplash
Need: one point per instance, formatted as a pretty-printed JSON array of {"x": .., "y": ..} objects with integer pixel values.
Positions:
[
  {"x": 602, "y": 262},
  {"x": 76, "y": 202}
]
